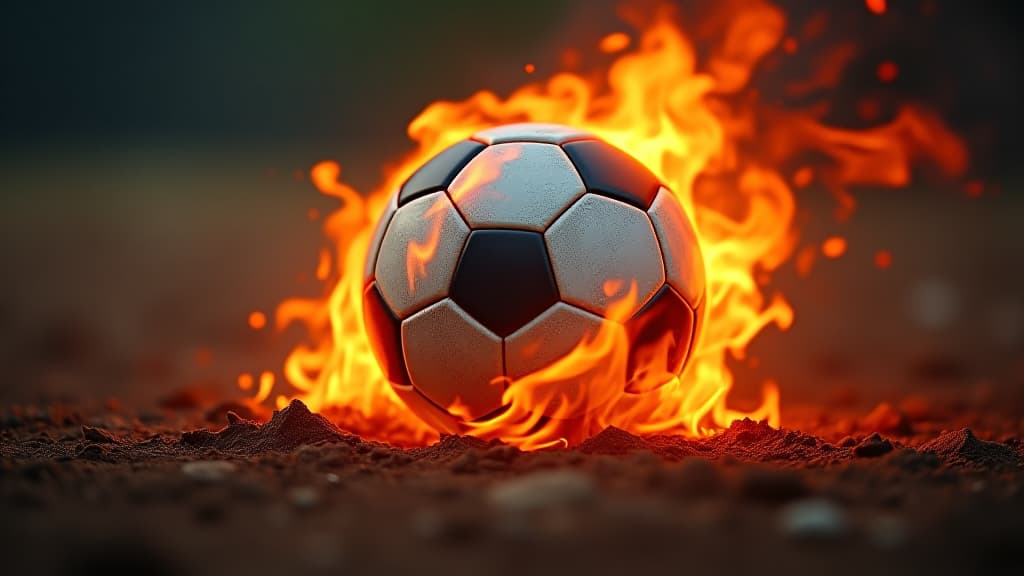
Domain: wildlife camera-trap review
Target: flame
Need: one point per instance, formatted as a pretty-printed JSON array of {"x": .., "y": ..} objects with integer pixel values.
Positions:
[
  {"x": 474, "y": 182},
  {"x": 420, "y": 253},
  {"x": 697, "y": 123},
  {"x": 614, "y": 42},
  {"x": 471, "y": 184}
]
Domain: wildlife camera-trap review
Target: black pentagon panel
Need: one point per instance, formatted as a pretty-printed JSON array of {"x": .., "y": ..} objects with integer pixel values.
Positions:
[
  {"x": 439, "y": 171},
  {"x": 608, "y": 171},
  {"x": 666, "y": 315},
  {"x": 504, "y": 279},
  {"x": 384, "y": 330}
]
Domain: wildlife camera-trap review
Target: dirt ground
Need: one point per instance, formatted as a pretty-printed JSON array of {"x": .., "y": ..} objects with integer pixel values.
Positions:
[{"x": 115, "y": 492}]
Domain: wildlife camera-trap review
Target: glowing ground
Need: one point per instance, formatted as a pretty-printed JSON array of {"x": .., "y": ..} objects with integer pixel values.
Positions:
[{"x": 109, "y": 492}]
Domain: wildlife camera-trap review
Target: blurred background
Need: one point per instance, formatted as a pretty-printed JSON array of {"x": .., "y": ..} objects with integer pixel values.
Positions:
[{"x": 154, "y": 190}]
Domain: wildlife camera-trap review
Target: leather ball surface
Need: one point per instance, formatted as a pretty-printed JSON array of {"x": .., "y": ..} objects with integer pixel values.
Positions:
[{"x": 500, "y": 253}]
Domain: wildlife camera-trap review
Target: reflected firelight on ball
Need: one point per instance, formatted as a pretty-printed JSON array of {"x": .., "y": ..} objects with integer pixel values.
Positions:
[{"x": 534, "y": 256}]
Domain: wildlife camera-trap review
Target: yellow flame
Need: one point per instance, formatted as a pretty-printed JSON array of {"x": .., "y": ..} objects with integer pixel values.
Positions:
[{"x": 694, "y": 123}]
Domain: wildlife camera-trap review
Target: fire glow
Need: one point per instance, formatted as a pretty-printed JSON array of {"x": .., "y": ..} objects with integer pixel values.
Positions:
[{"x": 700, "y": 126}]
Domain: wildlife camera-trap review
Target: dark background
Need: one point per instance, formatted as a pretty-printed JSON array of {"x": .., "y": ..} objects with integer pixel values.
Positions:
[{"x": 152, "y": 188}]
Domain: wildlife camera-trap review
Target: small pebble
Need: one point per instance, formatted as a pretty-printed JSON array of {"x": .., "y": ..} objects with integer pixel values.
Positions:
[
  {"x": 872, "y": 447},
  {"x": 208, "y": 470},
  {"x": 542, "y": 490},
  {"x": 97, "y": 435},
  {"x": 813, "y": 518},
  {"x": 304, "y": 497}
]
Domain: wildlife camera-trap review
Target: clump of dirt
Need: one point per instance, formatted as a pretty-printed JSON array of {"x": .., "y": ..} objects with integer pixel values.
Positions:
[
  {"x": 97, "y": 435},
  {"x": 963, "y": 448},
  {"x": 872, "y": 447},
  {"x": 744, "y": 440},
  {"x": 287, "y": 429},
  {"x": 449, "y": 448},
  {"x": 759, "y": 442},
  {"x": 296, "y": 426},
  {"x": 614, "y": 442}
]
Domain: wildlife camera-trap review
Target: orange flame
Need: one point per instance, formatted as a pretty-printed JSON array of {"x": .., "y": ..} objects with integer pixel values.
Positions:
[
  {"x": 695, "y": 124},
  {"x": 614, "y": 42},
  {"x": 420, "y": 253},
  {"x": 471, "y": 183}
]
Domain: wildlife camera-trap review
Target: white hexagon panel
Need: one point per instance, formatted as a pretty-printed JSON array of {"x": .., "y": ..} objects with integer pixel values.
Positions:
[
  {"x": 534, "y": 348},
  {"x": 519, "y": 185},
  {"x": 531, "y": 132},
  {"x": 419, "y": 253},
  {"x": 684, "y": 265},
  {"x": 378, "y": 235},
  {"x": 452, "y": 359},
  {"x": 598, "y": 247},
  {"x": 548, "y": 337}
]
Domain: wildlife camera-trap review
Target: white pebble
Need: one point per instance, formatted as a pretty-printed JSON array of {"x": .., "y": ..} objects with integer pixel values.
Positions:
[
  {"x": 813, "y": 518},
  {"x": 208, "y": 470},
  {"x": 541, "y": 490},
  {"x": 304, "y": 497}
]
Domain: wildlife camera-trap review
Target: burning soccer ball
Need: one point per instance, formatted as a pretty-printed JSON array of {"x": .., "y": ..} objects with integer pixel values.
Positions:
[{"x": 502, "y": 253}]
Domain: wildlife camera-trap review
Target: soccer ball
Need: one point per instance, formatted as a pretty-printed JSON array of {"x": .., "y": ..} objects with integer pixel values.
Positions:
[{"x": 500, "y": 253}]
